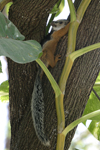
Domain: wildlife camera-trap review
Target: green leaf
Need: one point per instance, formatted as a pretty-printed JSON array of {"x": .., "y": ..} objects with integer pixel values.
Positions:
[
  {"x": 4, "y": 91},
  {"x": 94, "y": 128},
  {"x": 97, "y": 85},
  {"x": 8, "y": 29},
  {"x": 8, "y": 6},
  {"x": 98, "y": 78},
  {"x": 93, "y": 104},
  {"x": 12, "y": 46},
  {"x": 20, "y": 51},
  {"x": 54, "y": 10},
  {"x": 57, "y": 9}
]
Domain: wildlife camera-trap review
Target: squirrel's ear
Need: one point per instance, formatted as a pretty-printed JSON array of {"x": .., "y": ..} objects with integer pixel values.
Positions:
[
  {"x": 53, "y": 23},
  {"x": 66, "y": 22}
]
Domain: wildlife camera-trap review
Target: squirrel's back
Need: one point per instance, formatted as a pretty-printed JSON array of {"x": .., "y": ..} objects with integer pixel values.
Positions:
[{"x": 37, "y": 102}]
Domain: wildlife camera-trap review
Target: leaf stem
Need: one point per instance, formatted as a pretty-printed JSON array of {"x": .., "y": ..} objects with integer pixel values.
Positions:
[
  {"x": 69, "y": 62},
  {"x": 50, "y": 77},
  {"x": 58, "y": 97},
  {"x": 76, "y": 122},
  {"x": 82, "y": 8},
  {"x": 84, "y": 50},
  {"x": 72, "y": 11}
]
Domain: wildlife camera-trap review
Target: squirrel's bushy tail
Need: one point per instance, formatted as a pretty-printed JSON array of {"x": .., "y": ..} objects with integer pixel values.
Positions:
[{"x": 37, "y": 107}]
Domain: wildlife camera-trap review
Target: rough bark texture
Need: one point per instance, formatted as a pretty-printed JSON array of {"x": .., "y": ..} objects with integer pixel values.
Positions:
[{"x": 30, "y": 18}]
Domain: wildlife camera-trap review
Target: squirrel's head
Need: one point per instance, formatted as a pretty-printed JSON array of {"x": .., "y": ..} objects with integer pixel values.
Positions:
[{"x": 57, "y": 25}]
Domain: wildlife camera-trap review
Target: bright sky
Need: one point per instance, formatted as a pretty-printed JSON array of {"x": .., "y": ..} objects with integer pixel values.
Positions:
[
  {"x": 3, "y": 124},
  {"x": 3, "y": 107}
]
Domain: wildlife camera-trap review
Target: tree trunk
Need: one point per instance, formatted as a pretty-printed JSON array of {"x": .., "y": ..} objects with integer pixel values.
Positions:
[{"x": 30, "y": 18}]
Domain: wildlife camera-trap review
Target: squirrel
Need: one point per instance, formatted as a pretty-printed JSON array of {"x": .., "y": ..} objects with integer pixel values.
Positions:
[{"x": 59, "y": 29}]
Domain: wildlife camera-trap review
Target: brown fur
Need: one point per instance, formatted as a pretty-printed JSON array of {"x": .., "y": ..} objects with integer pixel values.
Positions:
[{"x": 49, "y": 47}]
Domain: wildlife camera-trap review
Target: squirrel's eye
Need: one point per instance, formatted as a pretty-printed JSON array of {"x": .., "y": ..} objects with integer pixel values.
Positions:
[{"x": 60, "y": 22}]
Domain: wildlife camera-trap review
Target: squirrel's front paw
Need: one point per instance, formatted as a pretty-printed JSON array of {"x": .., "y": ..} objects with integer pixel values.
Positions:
[{"x": 57, "y": 57}]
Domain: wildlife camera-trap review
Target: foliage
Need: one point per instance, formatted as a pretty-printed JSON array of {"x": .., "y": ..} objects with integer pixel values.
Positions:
[
  {"x": 4, "y": 91},
  {"x": 57, "y": 9},
  {"x": 12, "y": 46},
  {"x": 8, "y": 29},
  {"x": 93, "y": 104},
  {"x": 8, "y": 6}
]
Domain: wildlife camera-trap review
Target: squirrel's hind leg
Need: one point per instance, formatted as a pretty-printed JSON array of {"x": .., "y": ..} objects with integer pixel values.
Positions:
[{"x": 52, "y": 62}]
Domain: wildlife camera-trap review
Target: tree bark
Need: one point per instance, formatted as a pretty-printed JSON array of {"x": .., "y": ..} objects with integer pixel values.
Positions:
[{"x": 30, "y": 18}]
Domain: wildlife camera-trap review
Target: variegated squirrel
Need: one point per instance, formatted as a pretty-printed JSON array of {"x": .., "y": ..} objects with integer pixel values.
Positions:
[{"x": 59, "y": 29}]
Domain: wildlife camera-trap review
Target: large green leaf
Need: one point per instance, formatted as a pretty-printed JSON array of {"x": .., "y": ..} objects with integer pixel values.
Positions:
[
  {"x": 12, "y": 46},
  {"x": 4, "y": 91},
  {"x": 20, "y": 51},
  {"x": 93, "y": 103},
  {"x": 8, "y": 29},
  {"x": 94, "y": 128}
]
